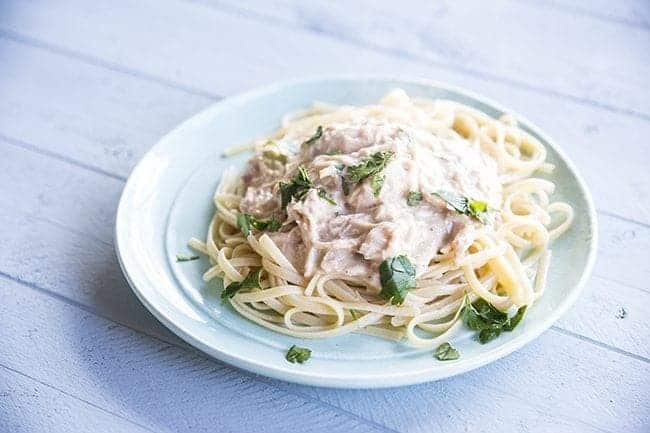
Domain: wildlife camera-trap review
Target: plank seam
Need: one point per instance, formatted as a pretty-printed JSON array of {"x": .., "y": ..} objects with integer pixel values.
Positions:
[
  {"x": 188, "y": 348},
  {"x": 101, "y": 63},
  {"x": 277, "y": 22},
  {"x": 91, "y": 404},
  {"x": 594, "y": 15},
  {"x": 600, "y": 344}
]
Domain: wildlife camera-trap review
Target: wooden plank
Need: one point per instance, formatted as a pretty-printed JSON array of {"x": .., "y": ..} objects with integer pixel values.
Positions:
[
  {"x": 161, "y": 386},
  {"x": 147, "y": 380},
  {"x": 485, "y": 40},
  {"x": 612, "y": 76},
  {"x": 29, "y": 405},
  {"x": 62, "y": 242},
  {"x": 128, "y": 113},
  {"x": 629, "y": 12}
]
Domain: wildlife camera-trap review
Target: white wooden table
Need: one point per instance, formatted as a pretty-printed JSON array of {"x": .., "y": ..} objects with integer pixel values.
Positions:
[{"x": 86, "y": 87}]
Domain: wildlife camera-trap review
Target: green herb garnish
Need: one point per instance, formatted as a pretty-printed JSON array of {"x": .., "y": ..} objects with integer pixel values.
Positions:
[
  {"x": 397, "y": 276},
  {"x": 183, "y": 258},
  {"x": 297, "y": 354},
  {"x": 245, "y": 222},
  {"x": 370, "y": 167},
  {"x": 354, "y": 315},
  {"x": 445, "y": 352},
  {"x": 376, "y": 182},
  {"x": 297, "y": 187},
  {"x": 466, "y": 206},
  {"x": 252, "y": 281},
  {"x": 484, "y": 317},
  {"x": 322, "y": 193},
  {"x": 413, "y": 198},
  {"x": 314, "y": 138}
]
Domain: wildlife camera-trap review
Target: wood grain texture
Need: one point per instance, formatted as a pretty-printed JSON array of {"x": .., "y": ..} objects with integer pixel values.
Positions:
[
  {"x": 87, "y": 88},
  {"x": 626, "y": 13},
  {"x": 119, "y": 370},
  {"x": 496, "y": 40},
  {"x": 162, "y": 386},
  {"x": 29, "y": 405},
  {"x": 576, "y": 126}
]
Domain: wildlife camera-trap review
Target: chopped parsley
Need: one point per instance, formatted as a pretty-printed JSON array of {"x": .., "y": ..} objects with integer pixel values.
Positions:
[
  {"x": 446, "y": 352},
  {"x": 297, "y": 354},
  {"x": 245, "y": 222},
  {"x": 413, "y": 198},
  {"x": 466, "y": 206},
  {"x": 370, "y": 167},
  {"x": 622, "y": 312},
  {"x": 322, "y": 193},
  {"x": 297, "y": 187},
  {"x": 252, "y": 281},
  {"x": 484, "y": 317},
  {"x": 314, "y": 138},
  {"x": 397, "y": 276},
  {"x": 183, "y": 258}
]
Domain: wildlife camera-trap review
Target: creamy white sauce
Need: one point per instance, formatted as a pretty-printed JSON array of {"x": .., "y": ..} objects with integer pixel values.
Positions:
[{"x": 354, "y": 236}]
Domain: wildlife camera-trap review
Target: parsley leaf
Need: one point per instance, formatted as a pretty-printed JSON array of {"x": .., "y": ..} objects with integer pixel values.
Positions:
[
  {"x": 297, "y": 354},
  {"x": 446, "y": 352},
  {"x": 466, "y": 206},
  {"x": 370, "y": 167},
  {"x": 245, "y": 222},
  {"x": 376, "y": 182},
  {"x": 413, "y": 198},
  {"x": 322, "y": 193},
  {"x": 183, "y": 258},
  {"x": 314, "y": 138},
  {"x": 484, "y": 317},
  {"x": 397, "y": 276},
  {"x": 297, "y": 187},
  {"x": 252, "y": 281}
]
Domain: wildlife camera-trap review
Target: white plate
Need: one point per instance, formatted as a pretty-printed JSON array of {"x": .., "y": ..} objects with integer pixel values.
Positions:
[{"x": 167, "y": 200}]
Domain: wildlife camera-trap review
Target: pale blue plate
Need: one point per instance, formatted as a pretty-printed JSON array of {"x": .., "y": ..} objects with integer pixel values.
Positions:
[{"x": 167, "y": 200}]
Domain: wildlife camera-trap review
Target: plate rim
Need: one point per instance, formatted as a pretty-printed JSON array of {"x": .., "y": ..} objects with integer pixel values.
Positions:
[{"x": 373, "y": 381}]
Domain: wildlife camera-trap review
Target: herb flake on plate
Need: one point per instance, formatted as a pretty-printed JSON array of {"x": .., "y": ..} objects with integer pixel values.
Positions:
[
  {"x": 446, "y": 352},
  {"x": 298, "y": 354},
  {"x": 184, "y": 258}
]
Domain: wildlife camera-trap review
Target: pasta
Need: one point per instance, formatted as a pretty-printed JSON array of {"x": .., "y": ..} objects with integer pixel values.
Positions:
[{"x": 318, "y": 280}]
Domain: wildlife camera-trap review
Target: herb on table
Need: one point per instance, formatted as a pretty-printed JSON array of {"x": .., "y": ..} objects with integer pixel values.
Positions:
[
  {"x": 245, "y": 222},
  {"x": 413, "y": 198},
  {"x": 466, "y": 206},
  {"x": 297, "y": 187},
  {"x": 397, "y": 276},
  {"x": 297, "y": 354},
  {"x": 322, "y": 193},
  {"x": 370, "y": 167},
  {"x": 446, "y": 352},
  {"x": 315, "y": 137},
  {"x": 252, "y": 281},
  {"x": 484, "y": 317},
  {"x": 183, "y": 258}
]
